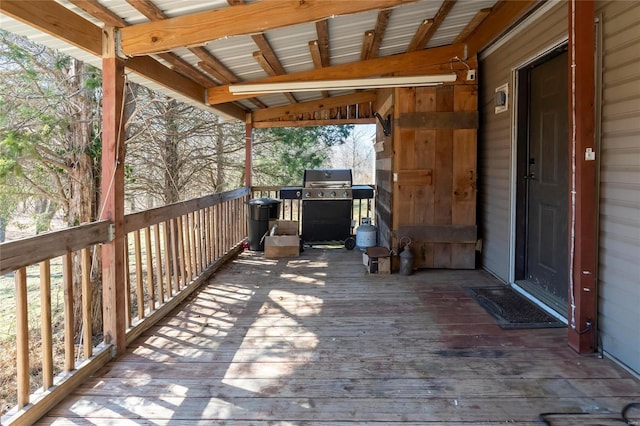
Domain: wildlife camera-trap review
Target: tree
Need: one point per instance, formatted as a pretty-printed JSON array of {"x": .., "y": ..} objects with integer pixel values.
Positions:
[
  {"x": 176, "y": 151},
  {"x": 357, "y": 154},
  {"x": 282, "y": 154},
  {"x": 49, "y": 118}
]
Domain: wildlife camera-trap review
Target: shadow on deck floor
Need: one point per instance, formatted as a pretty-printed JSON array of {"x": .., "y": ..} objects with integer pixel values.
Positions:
[{"x": 317, "y": 340}]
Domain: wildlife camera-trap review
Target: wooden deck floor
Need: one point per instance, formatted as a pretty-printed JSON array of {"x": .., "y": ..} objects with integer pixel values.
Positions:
[{"x": 317, "y": 340}]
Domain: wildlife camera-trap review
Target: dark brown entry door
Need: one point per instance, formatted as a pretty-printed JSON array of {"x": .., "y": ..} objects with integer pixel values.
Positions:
[{"x": 546, "y": 181}]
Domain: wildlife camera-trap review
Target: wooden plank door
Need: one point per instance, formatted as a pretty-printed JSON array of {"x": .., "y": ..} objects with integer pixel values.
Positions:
[{"x": 434, "y": 196}]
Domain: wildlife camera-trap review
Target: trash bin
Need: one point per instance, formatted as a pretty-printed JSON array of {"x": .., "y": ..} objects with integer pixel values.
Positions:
[{"x": 259, "y": 212}]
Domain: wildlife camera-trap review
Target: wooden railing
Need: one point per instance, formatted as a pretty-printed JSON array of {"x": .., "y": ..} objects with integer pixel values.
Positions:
[
  {"x": 292, "y": 209},
  {"x": 170, "y": 251}
]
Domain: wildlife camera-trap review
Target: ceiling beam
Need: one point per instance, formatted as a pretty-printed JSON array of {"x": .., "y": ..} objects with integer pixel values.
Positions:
[
  {"x": 215, "y": 68},
  {"x": 502, "y": 16},
  {"x": 199, "y": 28},
  {"x": 52, "y": 18},
  {"x": 56, "y": 20},
  {"x": 429, "y": 27},
  {"x": 312, "y": 123},
  {"x": 315, "y": 105},
  {"x": 155, "y": 71},
  {"x": 368, "y": 68}
]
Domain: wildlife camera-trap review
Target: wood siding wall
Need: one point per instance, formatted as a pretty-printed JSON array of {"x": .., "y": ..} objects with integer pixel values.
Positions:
[
  {"x": 426, "y": 173},
  {"x": 619, "y": 239},
  {"x": 495, "y": 137},
  {"x": 384, "y": 171},
  {"x": 434, "y": 165}
]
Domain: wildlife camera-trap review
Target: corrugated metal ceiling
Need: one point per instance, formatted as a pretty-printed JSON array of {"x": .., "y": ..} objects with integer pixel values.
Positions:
[{"x": 290, "y": 43}]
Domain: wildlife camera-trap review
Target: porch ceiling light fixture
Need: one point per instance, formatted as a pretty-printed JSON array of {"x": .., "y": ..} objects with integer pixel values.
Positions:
[{"x": 348, "y": 84}]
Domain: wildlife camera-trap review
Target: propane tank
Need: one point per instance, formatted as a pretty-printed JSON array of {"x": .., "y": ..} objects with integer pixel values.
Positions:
[
  {"x": 406, "y": 258},
  {"x": 366, "y": 236}
]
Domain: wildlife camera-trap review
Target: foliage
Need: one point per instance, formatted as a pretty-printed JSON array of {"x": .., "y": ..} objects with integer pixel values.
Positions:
[
  {"x": 282, "y": 154},
  {"x": 176, "y": 151},
  {"x": 48, "y": 116}
]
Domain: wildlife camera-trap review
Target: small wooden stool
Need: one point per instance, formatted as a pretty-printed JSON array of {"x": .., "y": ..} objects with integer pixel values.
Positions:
[{"x": 379, "y": 260}]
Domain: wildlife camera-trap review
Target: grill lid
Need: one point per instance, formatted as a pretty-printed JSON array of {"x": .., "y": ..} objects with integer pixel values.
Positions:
[{"x": 327, "y": 178}]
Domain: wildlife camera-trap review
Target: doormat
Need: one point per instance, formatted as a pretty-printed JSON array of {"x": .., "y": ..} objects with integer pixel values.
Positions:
[{"x": 512, "y": 310}]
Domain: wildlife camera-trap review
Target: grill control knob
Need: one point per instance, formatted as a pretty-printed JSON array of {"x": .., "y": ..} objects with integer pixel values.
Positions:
[
  {"x": 320, "y": 194},
  {"x": 345, "y": 194},
  {"x": 333, "y": 193},
  {"x": 307, "y": 194}
]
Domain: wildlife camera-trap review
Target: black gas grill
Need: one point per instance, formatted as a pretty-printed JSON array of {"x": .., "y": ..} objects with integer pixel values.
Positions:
[{"x": 327, "y": 204}]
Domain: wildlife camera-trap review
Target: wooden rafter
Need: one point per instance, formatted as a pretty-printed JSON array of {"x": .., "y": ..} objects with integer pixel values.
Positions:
[
  {"x": 215, "y": 68},
  {"x": 148, "y": 9},
  {"x": 373, "y": 38},
  {"x": 203, "y": 27},
  {"x": 56, "y": 20},
  {"x": 502, "y": 15},
  {"x": 367, "y": 44},
  {"x": 268, "y": 60},
  {"x": 319, "y": 48},
  {"x": 322, "y": 29},
  {"x": 473, "y": 24},
  {"x": 429, "y": 26},
  {"x": 381, "y": 27},
  {"x": 183, "y": 67},
  {"x": 311, "y": 106},
  {"x": 97, "y": 10},
  {"x": 314, "y": 49},
  {"x": 268, "y": 53},
  {"x": 372, "y": 67}
]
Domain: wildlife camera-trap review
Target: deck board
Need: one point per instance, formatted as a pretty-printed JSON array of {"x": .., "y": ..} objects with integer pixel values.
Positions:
[{"x": 317, "y": 340}]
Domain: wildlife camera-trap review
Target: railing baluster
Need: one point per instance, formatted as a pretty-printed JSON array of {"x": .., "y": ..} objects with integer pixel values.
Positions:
[
  {"x": 170, "y": 257},
  {"x": 150, "y": 284},
  {"x": 188, "y": 246},
  {"x": 208, "y": 233},
  {"x": 45, "y": 324},
  {"x": 175, "y": 250},
  {"x": 69, "y": 336},
  {"x": 87, "y": 298},
  {"x": 22, "y": 337},
  {"x": 193, "y": 243},
  {"x": 139, "y": 282},
  {"x": 217, "y": 229},
  {"x": 159, "y": 258},
  {"x": 127, "y": 281},
  {"x": 182, "y": 254}
]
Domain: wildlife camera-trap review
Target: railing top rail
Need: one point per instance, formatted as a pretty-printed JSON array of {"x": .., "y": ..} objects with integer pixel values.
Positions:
[
  {"x": 136, "y": 221},
  {"x": 28, "y": 251}
]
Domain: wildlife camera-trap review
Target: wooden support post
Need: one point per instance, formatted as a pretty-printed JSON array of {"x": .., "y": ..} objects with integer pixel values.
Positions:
[
  {"x": 112, "y": 195},
  {"x": 248, "y": 152},
  {"x": 582, "y": 208}
]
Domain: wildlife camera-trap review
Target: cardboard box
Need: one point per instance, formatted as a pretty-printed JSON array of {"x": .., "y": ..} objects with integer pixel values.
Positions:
[{"x": 285, "y": 242}]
